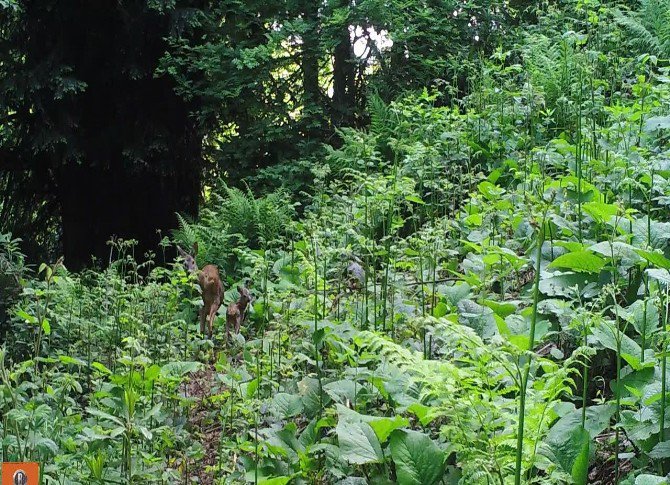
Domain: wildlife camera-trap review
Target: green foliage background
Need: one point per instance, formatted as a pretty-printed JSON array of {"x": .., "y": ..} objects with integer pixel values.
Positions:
[{"x": 466, "y": 259}]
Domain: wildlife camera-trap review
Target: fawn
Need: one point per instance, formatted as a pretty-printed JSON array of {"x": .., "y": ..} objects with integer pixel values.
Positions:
[
  {"x": 210, "y": 284},
  {"x": 237, "y": 310}
]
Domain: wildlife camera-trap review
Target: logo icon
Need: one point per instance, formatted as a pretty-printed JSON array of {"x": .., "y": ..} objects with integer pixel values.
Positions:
[
  {"x": 20, "y": 478},
  {"x": 27, "y": 473}
]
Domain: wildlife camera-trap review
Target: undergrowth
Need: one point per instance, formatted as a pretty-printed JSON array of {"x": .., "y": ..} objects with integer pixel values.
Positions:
[{"x": 453, "y": 269}]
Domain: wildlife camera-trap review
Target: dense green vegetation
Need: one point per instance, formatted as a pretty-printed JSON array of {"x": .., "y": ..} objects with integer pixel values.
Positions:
[
  {"x": 471, "y": 287},
  {"x": 112, "y": 114}
]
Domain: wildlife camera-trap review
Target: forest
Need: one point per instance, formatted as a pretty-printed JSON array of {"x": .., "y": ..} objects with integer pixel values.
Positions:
[{"x": 423, "y": 242}]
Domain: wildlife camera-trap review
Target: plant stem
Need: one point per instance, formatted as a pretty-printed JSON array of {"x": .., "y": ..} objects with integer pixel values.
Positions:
[{"x": 531, "y": 340}]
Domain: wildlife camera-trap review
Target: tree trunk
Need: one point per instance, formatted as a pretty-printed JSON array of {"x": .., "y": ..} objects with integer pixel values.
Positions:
[
  {"x": 344, "y": 82},
  {"x": 133, "y": 154},
  {"x": 99, "y": 203},
  {"x": 310, "y": 70}
]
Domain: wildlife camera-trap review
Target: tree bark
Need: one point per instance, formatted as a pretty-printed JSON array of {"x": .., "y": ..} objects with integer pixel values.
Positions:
[
  {"x": 344, "y": 82},
  {"x": 310, "y": 70}
]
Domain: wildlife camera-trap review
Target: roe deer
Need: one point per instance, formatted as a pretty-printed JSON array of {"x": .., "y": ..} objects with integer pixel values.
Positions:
[
  {"x": 237, "y": 310},
  {"x": 210, "y": 284}
]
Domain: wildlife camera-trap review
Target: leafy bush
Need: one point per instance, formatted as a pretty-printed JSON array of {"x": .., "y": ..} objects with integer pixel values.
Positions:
[
  {"x": 12, "y": 270},
  {"x": 473, "y": 294},
  {"x": 232, "y": 218}
]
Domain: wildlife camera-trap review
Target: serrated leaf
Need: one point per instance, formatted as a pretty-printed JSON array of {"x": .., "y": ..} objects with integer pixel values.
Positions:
[
  {"x": 358, "y": 442},
  {"x": 285, "y": 405},
  {"x": 418, "y": 460},
  {"x": 661, "y": 450}
]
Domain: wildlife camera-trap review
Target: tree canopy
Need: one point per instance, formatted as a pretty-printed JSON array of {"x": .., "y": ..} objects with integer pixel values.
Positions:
[{"x": 115, "y": 114}]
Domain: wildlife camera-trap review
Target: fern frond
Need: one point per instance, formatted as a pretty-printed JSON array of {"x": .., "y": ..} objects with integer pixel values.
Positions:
[
  {"x": 186, "y": 233},
  {"x": 379, "y": 114},
  {"x": 392, "y": 352},
  {"x": 640, "y": 37}
]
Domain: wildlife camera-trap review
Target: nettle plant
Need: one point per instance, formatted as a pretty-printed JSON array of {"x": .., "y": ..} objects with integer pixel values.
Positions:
[
  {"x": 581, "y": 280},
  {"x": 474, "y": 293},
  {"x": 90, "y": 381}
]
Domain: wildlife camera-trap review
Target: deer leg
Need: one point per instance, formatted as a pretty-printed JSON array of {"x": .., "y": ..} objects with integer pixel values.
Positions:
[
  {"x": 212, "y": 315},
  {"x": 215, "y": 308},
  {"x": 202, "y": 320}
]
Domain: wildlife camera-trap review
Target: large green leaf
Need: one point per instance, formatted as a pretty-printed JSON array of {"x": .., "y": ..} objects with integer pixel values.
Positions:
[
  {"x": 478, "y": 317},
  {"x": 285, "y": 405},
  {"x": 657, "y": 123},
  {"x": 570, "y": 449},
  {"x": 643, "y": 315},
  {"x": 600, "y": 211},
  {"x": 607, "y": 334},
  {"x": 459, "y": 291},
  {"x": 502, "y": 309},
  {"x": 418, "y": 460},
  {"x": 358, "y": 442},
  {"x": 661, "y": 450},
  {"x": 312, "y": 396},
  {"x": 661, "y": 275},
  {"x": 597, "y": 419},
  {"x": 625, "y": 253},
  {"x": 580, "y": 466},
  {"x": 645, "y": 479},
  {"x": 180, "y": 368},
  {"x": 656, "y": 238},
  {"x": 384, "y": 426},
  {"x": 344, "y": 390},
  {"x": 656, "y": 259},
  {"x": 561, "y": 284},
  {"x": 275, "y": 481},
  {"x": 581, "y": 261}
]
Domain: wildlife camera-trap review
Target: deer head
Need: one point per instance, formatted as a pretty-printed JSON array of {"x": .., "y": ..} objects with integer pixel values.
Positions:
[
  {"x": 189, "y": 259},
  {"x": 245, "y": 295}
]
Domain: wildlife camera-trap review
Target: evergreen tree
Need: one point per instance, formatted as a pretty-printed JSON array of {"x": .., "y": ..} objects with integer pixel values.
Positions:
[{"x": 93, "y": 143}]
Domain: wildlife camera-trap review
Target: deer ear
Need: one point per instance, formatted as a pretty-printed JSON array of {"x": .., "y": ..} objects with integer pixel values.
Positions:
[
  {"x": 182, "y": 253},
  {"x": 240, "y": 290},
  {"x": 195, "y": 249}
]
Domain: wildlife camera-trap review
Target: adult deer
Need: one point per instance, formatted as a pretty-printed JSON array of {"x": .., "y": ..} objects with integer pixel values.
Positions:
[
  {"x": 237, "y": 310},
  {"x": 210, "y": 284}
]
